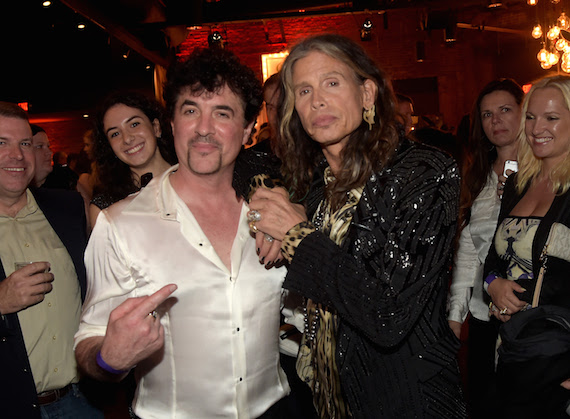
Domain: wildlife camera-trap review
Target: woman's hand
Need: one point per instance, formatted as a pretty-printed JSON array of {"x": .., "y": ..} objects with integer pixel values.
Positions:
[
  {"x": 501, "y": 184},
  {"x": 505, "y": 301},
  {"x": 566, "y": 384}
]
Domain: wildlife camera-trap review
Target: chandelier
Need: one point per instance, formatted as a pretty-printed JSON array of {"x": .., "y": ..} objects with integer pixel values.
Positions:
[{"x": 554, "y": 36}]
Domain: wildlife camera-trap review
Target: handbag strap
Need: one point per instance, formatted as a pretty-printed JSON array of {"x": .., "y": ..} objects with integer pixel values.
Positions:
[{"x": 543, "y": 257}]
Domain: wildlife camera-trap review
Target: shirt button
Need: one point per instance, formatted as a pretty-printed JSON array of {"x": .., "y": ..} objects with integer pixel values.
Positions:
[
  {"x": 53, "y": 337},
  {"x": 49, "y": 304},
  {"x": 55, "y": 370},
  {"x": 27, "y": 244}
]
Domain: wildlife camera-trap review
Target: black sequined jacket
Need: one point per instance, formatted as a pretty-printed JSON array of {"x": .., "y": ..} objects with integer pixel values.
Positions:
[{"x": 388, "y": 284}]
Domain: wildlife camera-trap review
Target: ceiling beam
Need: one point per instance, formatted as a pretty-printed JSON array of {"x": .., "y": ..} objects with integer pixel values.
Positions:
[{"x": 95, "y": 15}]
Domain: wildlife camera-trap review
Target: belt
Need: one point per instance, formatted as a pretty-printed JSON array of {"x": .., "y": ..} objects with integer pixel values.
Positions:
[{"x": 52, "y": 396}]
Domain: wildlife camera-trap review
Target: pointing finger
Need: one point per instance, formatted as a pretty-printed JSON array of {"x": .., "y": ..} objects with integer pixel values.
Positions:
[{"x": 151, "y": 302}]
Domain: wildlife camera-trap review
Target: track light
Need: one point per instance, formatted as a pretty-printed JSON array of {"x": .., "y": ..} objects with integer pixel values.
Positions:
[
  {"x": 366, "y": 30},
  {"x": 215, "y": 40}
]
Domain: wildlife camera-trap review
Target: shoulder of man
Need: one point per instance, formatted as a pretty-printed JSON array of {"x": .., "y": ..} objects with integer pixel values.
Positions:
[
  {"x": 250, "y": 163},
  {"x": 60, "y": 199},
  {"x": 413, "y": 152}
]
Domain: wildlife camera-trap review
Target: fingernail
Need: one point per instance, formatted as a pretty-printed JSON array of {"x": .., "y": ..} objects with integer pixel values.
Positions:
[
  {"x": 262, "y": 260},
  {"x": 269, "y": 265},
  {"x": 258, "y": 251},
  {"x": 524, "y": 289}
]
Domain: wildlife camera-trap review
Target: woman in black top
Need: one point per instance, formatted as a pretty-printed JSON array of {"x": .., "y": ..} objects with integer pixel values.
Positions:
[
  {"x": 536, "y": 206},
  {"x": 133, "y": 143}
]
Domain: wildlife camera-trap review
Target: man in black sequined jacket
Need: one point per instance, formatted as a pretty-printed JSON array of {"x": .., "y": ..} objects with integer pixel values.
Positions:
[{"x": 388, "y": 284}]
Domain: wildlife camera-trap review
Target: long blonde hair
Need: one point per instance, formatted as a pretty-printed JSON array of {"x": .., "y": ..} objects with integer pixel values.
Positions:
[{"x": 530, "y": 165}]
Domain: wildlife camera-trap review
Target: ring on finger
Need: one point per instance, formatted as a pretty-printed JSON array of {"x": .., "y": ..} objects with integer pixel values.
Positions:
[
  {"x": 501, "y": 186},
  {"x": 153, "y": 313},
  {"x": 268, "y": 238},
  {"x": 254, "y": 215},
  {"x": 503, "y": 311},
  {"x": 253, "y": 227}
]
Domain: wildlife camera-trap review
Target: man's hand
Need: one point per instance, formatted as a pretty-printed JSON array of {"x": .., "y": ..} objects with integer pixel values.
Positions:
[
  {"x": 455, "y": 327},
  {"x": 133, "y": 333},
  {"x": 25, "y": 287}
]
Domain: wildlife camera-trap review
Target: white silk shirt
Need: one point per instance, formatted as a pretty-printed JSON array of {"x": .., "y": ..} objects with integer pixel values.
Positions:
[
  {"x": 221, "y": 357},
  {"x": 466, "y": 291}
]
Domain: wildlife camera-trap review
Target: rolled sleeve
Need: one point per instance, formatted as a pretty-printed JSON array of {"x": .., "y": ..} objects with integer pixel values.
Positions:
[{"x": 465, "y": 270}]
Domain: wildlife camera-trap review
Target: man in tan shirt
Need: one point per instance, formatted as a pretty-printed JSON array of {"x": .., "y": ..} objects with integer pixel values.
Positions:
[{"x": 40, "y": 303}]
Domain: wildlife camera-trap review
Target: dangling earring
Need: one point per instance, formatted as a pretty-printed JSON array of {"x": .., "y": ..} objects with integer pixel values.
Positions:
[{"x": 368, "y": 115}]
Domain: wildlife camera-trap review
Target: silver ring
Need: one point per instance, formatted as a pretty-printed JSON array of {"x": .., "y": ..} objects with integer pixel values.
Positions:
[
  {"x": 254, "y": 215},
  {"x": 268, "y": 238},
  {"x": 153, "y": 313},
  {"x": 501, "y": 186}
]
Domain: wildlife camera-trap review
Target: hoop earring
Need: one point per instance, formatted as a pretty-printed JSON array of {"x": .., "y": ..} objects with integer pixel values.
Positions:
[{"x": 368, "y": 115}]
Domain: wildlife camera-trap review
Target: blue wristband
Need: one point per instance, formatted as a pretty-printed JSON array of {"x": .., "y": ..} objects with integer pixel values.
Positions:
[
  {"x": 107, "y": 367},
  {"x": 490, "y": 278}
]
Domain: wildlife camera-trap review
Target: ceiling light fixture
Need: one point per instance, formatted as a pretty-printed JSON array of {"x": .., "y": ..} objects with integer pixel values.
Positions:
[
  {"x": 81, "y": 26},
  {"x": 46, "y": 3},
  {"x": 555, "y": 43}
]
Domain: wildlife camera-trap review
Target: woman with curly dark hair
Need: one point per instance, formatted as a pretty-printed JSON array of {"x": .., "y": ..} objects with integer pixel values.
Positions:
[
  {"x": 370, "y": 243},
  {"x": 133, "y": 143}
]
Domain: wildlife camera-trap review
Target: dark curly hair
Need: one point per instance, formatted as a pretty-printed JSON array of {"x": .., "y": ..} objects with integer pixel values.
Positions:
[
  {"x": 209, "y": 70},
  {"x": 115, "y": 178},
  {"x": 367, "y": 151}
]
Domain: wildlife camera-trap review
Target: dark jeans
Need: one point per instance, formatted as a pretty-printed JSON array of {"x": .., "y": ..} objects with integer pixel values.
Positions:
[
  {"x": 71, "y": 406},
  {"x": 481, "y": 367}
]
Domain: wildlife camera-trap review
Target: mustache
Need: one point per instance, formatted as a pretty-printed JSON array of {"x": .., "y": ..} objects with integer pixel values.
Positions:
[{"x": 206, "y": 140}]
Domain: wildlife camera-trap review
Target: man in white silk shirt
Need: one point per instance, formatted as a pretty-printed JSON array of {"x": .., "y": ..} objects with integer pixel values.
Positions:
[{"x": 210, "y": 349}]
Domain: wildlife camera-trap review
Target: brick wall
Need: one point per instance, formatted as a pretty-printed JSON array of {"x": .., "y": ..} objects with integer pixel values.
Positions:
[{"x": 461, "y": 69}]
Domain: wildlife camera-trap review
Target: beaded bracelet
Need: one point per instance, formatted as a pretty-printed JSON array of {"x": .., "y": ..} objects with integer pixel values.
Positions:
[{"x": 107, "y": 367}]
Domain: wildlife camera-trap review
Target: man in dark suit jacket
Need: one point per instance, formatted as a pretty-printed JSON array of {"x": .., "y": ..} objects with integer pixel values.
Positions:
[{"x": 40, "y": 303}]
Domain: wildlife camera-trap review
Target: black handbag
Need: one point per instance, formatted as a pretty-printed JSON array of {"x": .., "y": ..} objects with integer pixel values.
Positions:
[{"x": 534, "y": 358}]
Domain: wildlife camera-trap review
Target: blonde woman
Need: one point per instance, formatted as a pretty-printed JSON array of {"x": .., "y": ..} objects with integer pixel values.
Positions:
[{"x": 535, "y": 202}]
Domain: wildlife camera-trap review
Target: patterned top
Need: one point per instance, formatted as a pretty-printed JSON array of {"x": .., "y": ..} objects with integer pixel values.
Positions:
[
  {"x": 513, "y": 242},
  {"x": 316, "y": 363}
]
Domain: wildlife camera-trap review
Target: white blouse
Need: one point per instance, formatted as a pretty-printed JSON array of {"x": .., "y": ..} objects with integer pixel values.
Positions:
[{"x": 466, "y": 292}]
